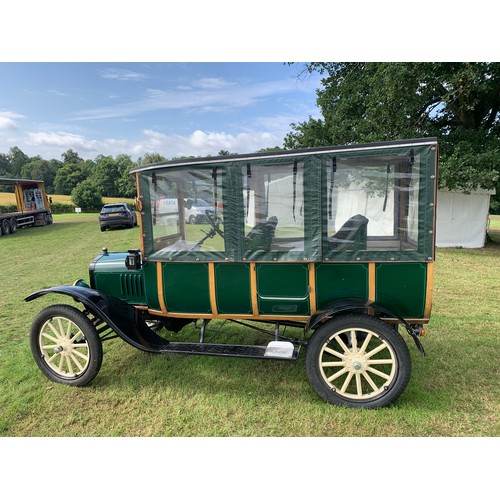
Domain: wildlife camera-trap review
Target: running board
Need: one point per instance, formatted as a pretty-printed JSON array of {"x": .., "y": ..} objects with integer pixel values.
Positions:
[{"x": 287, "y": 352}]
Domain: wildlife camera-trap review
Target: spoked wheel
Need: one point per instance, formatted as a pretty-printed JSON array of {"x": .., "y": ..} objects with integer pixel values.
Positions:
[
  {"x": 66, "y": 345},
  {"x": 358, "y": 361}
]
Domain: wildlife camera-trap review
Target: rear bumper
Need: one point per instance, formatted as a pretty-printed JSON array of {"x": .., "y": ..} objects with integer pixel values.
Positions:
[{"x": 116, "y": 222}]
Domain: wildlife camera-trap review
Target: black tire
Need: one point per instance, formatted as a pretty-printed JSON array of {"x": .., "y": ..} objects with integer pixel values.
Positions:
[
  {"x": 66, "y": 345},
  {"x": 5, "y": 227},
  {"x": 192, "y": 219},
  {"x": 103, "y": 229},
  {"x": 13, "y": 226},
  {"x": 358, "y": 361}
]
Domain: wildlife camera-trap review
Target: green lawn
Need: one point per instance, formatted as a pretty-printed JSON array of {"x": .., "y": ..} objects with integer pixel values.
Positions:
[{"x": 453, "y": 391}]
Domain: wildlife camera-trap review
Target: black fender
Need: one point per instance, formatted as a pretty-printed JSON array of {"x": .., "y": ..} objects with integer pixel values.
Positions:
[
  {"x": 359, "y": 305},
  {"x": 123, "y": 318}
]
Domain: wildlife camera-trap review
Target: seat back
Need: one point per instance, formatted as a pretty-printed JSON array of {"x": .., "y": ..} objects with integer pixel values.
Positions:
[
  {"x": 352, "y": 235},
  {"x": 261, "y": 235}
]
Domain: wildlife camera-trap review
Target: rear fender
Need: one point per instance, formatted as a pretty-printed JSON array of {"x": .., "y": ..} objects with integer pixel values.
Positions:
[
  {"x": 123, "y": 318},
  {"x": 363, "y": 307}
]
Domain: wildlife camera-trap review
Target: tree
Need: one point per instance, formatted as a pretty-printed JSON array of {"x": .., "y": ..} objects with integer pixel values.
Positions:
[
  {"x": 68, "y": 177},
  {"x": 150, "y": 158},
  {"x": 4, "y": 165},
  {"x": 72, "y": 157},
  {"x": 459, "y": 103},
  {"x": 87, "y": 195},
  {"x": 17, "y": 159},
  {"x": 40, "y": 169},
  {"x": 125, "y": 185},
  {"x": 106, "y": 174}
]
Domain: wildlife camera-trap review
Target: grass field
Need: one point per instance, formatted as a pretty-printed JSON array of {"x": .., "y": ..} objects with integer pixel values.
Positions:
[{"x": 453, "y": 391}]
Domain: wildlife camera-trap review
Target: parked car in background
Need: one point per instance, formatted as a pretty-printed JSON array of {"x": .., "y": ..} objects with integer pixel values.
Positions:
[
  {"x": 196, "y": 211},
  {"x": 117, "y": 215}
]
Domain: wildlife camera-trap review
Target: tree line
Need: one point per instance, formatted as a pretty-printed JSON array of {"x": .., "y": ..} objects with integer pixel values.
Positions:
[{"x": 86, "y": 181}]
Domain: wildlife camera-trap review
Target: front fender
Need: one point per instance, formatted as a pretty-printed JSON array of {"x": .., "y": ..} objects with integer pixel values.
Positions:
[{"x": 123, "y": 318}]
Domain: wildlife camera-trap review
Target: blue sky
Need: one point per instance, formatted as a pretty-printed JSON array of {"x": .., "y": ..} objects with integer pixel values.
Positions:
[{"x": 174, "y": 108}]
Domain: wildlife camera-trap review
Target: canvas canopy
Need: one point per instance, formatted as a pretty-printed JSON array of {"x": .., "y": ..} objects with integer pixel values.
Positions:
[{"x": 462, "y": 218}]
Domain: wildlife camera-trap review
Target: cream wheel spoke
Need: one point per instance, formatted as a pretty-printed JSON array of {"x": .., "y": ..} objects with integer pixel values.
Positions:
[
  {"x": 61, "y": 363},
  {"x": 68, "y": 330},
  {"x": 377, "y": 349},
  {"x": 359, "y": 388},
  {"x": 76, "y": 362},
  {"x": 337, "y": 374},
  {"x": 61, "y": 327},
  {"x": 342, "y": 344},
  {"x": 379, "y": 373},
  {"x": 354, "y": 341},
  {"x": 69, "y": 364},
  {"x": 331, "y": 351},
  {"x": 389, "y": 361},
  {"x": 49, "y": 337},
  {"x": 49, "y": 361},
  {"x": 346, "y": 382},
  {"x": 369, "y": 336},
  {"x": 370, "y": 381},
  {"x": 57, "y": 332},
  {"x": 326, "y": 364},
  {"x": 78, "y": 353}
]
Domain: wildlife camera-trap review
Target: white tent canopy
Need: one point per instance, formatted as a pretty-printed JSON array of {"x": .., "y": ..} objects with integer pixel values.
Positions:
[{"x": 462, "y": 219}]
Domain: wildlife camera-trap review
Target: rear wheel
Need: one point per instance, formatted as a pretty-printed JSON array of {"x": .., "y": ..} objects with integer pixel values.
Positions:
[
  {"x": 66, "y": 345},
  {"x": 13, "y": 225},
  {"x": 358, "y": 361}
]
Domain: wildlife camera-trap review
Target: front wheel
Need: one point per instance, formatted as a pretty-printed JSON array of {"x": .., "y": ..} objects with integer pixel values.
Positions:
[
  {"x": 66, "y": 345},
  {"x": 358, "y": 361}
]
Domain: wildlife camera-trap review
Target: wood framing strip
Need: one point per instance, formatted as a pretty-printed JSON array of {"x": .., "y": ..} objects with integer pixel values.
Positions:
[
  {"x": 139, "y": 211},
  {"x": 253, "y": 289},
  {"x": 159, "y": 279},
  {"x": 211, "y": 282},
  {"x": 429, "y": 289},
  {"x": 312, "y": 288},
  {"x": 371, "y": 282}
]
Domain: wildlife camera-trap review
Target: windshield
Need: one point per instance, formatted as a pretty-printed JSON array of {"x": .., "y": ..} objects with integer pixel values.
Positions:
[{"x": 112, "y": 208}]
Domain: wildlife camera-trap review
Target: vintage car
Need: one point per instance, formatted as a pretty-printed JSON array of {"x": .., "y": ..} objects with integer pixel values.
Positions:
[{"x": 330, "y": 250}]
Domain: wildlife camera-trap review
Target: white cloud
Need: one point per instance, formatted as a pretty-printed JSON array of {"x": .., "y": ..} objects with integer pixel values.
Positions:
[
  {"x": 213, "y": 83},
  {"x": 7, "y": 120},
  {"x": 60, "y": 139},
  {"x": 122, "y": 74},
  {"x": 215, "y": 94},
  {"x": 201, "y": 143}
]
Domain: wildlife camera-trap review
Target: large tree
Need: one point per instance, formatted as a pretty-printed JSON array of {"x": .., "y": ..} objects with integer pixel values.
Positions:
[{"x": 459, "y": 103}]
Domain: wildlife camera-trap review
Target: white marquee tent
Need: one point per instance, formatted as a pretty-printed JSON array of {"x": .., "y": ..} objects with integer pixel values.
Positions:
[{"x": 462, "y": 219}]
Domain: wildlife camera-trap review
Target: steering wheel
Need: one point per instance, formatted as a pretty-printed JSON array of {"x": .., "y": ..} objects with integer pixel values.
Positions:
[{"x": 215, "y": 221}]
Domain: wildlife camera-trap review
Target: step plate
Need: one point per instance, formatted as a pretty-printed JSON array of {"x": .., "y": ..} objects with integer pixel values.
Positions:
[{"x": 230, "y": 350}]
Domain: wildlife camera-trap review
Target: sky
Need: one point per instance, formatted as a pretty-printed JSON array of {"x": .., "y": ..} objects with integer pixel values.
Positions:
[
  {"x": 175, "y": 109},
  {"x": 60, "y": 89}
]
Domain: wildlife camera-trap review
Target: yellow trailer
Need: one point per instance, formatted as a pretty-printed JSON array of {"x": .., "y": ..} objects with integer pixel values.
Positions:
[{"x": 33, "y": 206}]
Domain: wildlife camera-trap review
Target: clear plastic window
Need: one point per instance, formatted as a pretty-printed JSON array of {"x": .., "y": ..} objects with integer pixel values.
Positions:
[
  {"x": 274, "y": 208},
  {"x": 372, "y": 203},
  {"x": 187, "y": 212}
]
